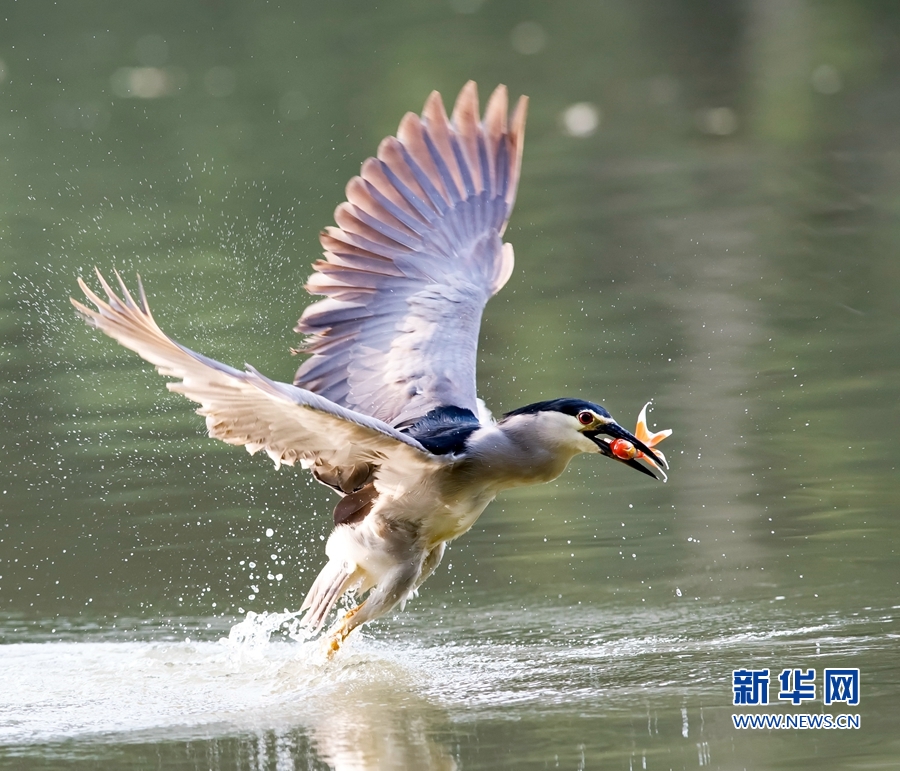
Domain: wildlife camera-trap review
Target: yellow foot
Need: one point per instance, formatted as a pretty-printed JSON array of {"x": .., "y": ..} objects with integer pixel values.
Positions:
[
  {"x": 335, "y": 639},
  {"x": 331, "y": 645}
]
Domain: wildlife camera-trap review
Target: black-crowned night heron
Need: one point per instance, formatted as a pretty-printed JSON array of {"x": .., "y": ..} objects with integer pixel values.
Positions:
[{"x": 385, "y": 410}]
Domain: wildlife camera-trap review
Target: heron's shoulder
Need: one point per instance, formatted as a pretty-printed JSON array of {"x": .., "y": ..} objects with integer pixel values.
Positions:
[{"x": 445, "y": 430}]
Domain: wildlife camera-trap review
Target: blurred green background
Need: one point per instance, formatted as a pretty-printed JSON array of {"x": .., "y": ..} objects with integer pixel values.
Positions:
[{"x": 708, "y": 217}]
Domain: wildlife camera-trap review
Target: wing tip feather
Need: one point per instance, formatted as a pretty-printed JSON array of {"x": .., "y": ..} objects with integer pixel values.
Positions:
[{"x": 466, "y": 105}]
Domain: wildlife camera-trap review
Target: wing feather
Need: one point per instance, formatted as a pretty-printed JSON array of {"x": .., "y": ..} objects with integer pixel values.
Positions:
[
  {"x": 247, "y": 408},
  {"x": 466, "y": 121},
  {"x": 440, "y": 144},
  {"x": 415, "y": 257},
  {"x": 389, "y": 195}
]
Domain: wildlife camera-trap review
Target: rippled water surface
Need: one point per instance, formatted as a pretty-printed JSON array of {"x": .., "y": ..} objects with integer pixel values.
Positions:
[
  {"x": 709, "y": 218},
  {"x": 478, "y": 694}
]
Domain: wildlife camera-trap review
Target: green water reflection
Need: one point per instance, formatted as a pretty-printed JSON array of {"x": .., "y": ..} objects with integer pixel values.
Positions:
[{"x": 724, "y": 242}]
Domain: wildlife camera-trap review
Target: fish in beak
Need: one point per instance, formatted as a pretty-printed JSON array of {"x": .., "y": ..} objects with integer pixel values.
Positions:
[{"x": 617, "y": 443}]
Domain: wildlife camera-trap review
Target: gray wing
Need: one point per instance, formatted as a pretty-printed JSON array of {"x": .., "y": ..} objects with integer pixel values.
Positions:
[
  {"x": 415, "y": 258},
  {"x": 246, "y": 408}
]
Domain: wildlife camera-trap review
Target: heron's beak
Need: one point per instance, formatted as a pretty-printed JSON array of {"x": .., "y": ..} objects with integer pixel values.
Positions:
[{"x": 615, "y": 431}]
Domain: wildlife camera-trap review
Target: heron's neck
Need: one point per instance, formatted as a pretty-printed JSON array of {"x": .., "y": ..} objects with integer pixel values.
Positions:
[{"x": 524, "y": 450}]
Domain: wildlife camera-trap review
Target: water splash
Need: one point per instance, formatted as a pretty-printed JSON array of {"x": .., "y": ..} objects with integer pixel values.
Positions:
[{"x": 256, "y": 630}]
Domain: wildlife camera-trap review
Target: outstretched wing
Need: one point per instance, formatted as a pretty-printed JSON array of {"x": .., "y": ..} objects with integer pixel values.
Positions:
[
  {"x": 415, "y": 258},
  {"x": 247, "y": 408}
]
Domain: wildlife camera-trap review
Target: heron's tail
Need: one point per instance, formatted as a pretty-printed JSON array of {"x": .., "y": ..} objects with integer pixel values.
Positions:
[{"x": 330, "y": 585}]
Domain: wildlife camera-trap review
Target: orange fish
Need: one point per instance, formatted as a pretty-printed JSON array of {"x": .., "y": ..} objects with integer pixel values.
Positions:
[{"x": 627, "y": 451}]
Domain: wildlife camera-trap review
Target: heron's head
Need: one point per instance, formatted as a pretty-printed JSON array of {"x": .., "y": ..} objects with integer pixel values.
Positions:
[{"x": 583, "y": 426}]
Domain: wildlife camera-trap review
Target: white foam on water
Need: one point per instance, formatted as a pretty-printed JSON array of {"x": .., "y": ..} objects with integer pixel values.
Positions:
[{"x": 354, "y": 708}]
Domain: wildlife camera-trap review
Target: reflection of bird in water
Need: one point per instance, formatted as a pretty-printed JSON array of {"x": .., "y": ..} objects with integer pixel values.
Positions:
[
  {"x": 403, "y": 732},
  {"x": 385, "y": 410}
]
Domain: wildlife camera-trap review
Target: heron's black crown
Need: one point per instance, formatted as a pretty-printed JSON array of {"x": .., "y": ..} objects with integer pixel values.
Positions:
[{"x": 567, "y": 406}]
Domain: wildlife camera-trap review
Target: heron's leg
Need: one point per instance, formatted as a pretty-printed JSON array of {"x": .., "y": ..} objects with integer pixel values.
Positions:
[{"x": 392, "y": 589}]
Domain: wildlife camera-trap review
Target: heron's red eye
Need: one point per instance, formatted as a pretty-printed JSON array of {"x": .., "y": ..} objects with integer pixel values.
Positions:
[{"x": 585, "y": 418}]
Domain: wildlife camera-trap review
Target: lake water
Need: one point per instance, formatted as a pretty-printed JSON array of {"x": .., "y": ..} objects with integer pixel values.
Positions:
[{"x": 708, "y": 217}]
